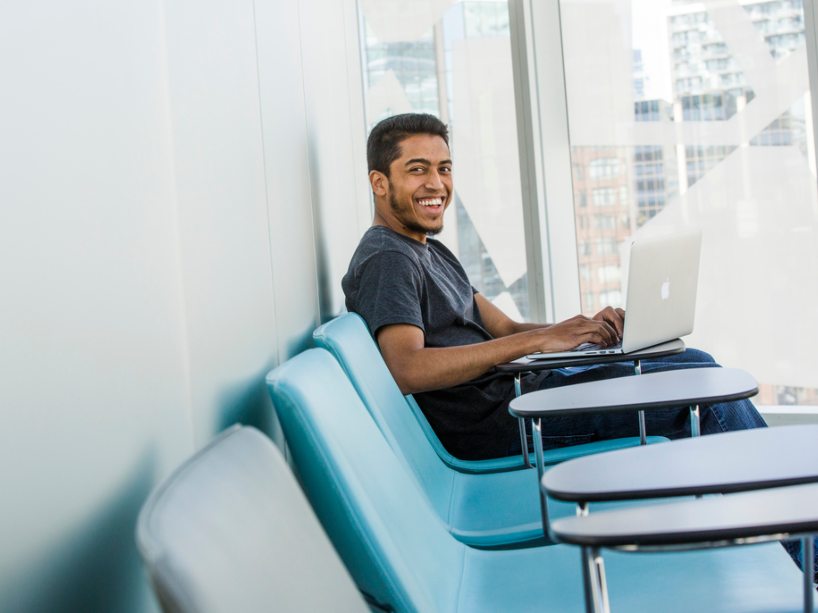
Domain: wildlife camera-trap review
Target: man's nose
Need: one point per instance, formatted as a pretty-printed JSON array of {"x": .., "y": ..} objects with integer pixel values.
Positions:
[{"x": 434, "y": 180}]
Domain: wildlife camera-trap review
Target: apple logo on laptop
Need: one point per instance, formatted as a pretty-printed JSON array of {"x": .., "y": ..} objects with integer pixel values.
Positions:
[{"x": 665, "y": 290}]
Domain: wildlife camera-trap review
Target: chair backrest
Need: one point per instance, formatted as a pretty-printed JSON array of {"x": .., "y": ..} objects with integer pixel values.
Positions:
[
  {"x": 230, "y": 530},
  {"x": 393, "y": 542},
  {"x": 348, "y": 339}
]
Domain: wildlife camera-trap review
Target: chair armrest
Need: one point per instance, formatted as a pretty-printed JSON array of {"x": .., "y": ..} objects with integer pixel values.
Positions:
[
  {"x": 718, "y": 463},
  {"x": 777, "y": 512},
  {"x": 674, "y": 388}
]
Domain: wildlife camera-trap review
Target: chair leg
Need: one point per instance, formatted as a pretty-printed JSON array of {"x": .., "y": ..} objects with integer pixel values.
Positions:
[
  {"x": 603, "y": 583},
  {"x": 643, "y": 435},
  {"x": 536, "y": 433},
  {"x": 808, "y": 564},
  {"x": 695, "y": 422},
  {"x": 593, "y": 580},
  {"x": 521, "y": 424},
  {"x": 588, "y": 581}
]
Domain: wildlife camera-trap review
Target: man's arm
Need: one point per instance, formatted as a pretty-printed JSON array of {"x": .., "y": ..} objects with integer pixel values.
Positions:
[{"x": 417, "y": 368}]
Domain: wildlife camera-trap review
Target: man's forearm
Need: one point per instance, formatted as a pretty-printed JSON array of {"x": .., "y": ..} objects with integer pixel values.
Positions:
[
  {"x": 431, "y": 368},
  {"x": 525, "y": 327},
  {"x": 418, "y": 368}
]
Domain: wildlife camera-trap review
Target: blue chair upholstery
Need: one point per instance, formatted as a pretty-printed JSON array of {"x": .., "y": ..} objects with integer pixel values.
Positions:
[
  {"x": 230, "y": 530},
  {"x": 347, "y": 338},
  {"x": 400, "y": 553}
]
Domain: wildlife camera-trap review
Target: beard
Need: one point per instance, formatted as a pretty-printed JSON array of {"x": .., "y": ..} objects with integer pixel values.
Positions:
[{"x": 411, "y": 225}]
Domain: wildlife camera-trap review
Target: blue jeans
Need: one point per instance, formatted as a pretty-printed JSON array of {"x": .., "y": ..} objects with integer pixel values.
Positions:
[{"x": 672, "y": 423}]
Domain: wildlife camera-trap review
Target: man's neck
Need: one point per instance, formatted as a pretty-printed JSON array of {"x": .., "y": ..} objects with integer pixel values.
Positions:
[{"x": 398, "y": 228}]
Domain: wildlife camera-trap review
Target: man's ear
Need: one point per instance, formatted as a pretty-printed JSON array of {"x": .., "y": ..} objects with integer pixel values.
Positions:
[{"x": 379, "y": 183}]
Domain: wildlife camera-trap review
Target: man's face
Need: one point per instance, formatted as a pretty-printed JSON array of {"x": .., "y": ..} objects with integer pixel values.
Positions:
[{"x": 419, "y": 187}]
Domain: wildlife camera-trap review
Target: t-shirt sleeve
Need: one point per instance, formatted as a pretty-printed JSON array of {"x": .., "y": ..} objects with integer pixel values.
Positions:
[{"x": 390, "y": 291}]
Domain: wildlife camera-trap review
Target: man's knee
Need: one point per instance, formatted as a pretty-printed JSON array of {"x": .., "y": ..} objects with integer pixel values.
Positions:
[
  {"x": 697, "y": 355},
  {"x": 731, "y": 416},
  {"x": 691, "y": 355}
]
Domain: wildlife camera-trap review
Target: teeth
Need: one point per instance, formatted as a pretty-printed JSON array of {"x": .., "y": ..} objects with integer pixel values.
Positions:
[{"x": 430, "y": 201}]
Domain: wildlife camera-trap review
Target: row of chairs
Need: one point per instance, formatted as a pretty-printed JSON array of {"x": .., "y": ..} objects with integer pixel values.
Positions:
[{"x": 416, "y": 533}]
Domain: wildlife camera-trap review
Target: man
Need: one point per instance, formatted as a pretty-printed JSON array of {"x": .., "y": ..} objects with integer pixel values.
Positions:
[{"x": 441, "y": 339}]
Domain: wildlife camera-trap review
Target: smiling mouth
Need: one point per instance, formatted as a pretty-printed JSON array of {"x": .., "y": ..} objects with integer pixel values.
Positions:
[{"x": 431, "y": 202}]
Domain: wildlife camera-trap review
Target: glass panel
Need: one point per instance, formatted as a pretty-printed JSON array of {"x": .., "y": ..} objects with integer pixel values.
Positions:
[
  {"x": 453, "y": 59},
  {"x": 698, "y": 114}
]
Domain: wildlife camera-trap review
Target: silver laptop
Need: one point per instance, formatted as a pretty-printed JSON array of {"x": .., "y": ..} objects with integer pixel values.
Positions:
[{"x": 661, "y": 304}]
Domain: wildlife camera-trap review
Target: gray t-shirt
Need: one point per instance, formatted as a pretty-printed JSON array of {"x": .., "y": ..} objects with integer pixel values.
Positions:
[{"x": 393, "y": 279}]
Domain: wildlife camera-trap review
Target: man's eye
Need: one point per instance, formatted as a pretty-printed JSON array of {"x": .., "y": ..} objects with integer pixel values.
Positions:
[
  {"x": 446, "y": 170},
  {"x": 417, "y": 169}
]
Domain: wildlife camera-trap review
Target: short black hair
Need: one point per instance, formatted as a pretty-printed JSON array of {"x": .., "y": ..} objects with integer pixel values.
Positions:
[{"x": 383, "y": 146}]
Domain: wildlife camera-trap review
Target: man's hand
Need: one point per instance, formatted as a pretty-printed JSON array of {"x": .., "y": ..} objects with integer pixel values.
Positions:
[
  {"x": 614, "y": 317},
  {"x": 577, "y": 331}
]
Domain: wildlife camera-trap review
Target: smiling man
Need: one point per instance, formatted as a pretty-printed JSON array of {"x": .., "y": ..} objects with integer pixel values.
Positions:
[{"x": 442, "y": 339}]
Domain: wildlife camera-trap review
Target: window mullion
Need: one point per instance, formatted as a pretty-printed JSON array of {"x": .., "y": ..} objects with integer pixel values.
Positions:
[
  {"x": 811, "y": 36},
  {"x": 545, "y": 159}
]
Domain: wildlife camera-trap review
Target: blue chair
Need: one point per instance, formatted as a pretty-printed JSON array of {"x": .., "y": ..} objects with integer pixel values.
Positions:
[
  {"x": 347, "y": 338},
  {"x": 230, "y": 530},
  {"x": 401, "y": 555}
]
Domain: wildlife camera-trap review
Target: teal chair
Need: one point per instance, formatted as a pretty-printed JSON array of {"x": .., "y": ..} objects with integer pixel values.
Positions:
[
  {"x": 347, "y": 338},
  {"x": 402, "y": 556}
]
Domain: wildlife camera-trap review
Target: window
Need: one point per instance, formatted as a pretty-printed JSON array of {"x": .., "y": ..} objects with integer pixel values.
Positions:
[
  {"x": 610, "y": 298},
  {"x": 604, "y": 168},
  {"x": 712, "y": 129},
  {"x": 605, "y": 222},
  {"x": 609, "y": 274},
  {"x": 675, "y": 117},
  {"x": 604, "y": 196},
  {"x": 606, "y": 246}
]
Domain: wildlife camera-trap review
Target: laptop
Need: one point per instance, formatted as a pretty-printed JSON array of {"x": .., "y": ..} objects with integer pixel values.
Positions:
[{"x": 662, "y": 280}]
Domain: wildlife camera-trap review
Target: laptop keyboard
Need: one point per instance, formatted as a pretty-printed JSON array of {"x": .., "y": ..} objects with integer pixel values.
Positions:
[{"x": 595, "y": 347}]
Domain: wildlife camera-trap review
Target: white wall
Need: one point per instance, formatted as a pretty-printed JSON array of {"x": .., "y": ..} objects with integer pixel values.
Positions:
[
  {"x": 157, "y": 257},
  {"x": 224, "y": 239},
  {"x": 334, "y": 102}
]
